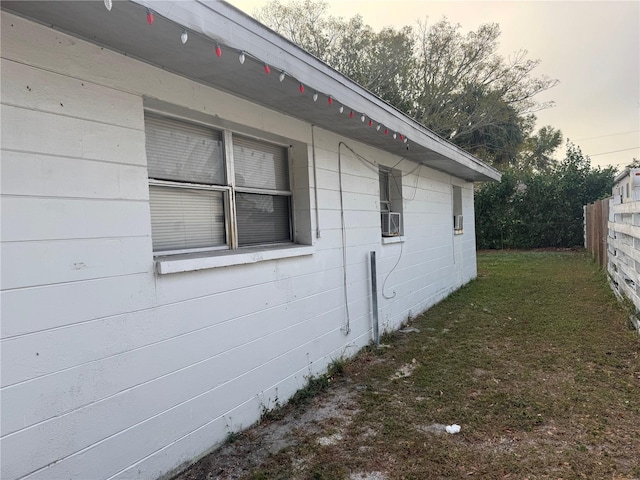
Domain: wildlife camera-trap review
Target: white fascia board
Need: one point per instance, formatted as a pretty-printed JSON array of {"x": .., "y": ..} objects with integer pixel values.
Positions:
[
  {"x": 222, "y": 22},
  {"x": 621, "y": 175}
]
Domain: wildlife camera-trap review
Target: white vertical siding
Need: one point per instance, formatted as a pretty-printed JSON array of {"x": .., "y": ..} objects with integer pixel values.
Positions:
[{"x": 112, "y": 371}]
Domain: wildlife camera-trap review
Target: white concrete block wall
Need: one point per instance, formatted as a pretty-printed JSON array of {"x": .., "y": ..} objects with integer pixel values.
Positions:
[{"x": 112, "y": 371}]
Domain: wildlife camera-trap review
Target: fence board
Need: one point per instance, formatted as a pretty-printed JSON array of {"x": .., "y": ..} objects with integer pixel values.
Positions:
[{"x": 596, "y": 230}]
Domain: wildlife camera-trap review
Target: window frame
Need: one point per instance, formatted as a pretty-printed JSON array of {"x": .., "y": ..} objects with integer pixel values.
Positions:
[
  {"x": 228, "y": 190},
  {"x": 394, "y": 199},
  {"x": 457, "y": 207}
]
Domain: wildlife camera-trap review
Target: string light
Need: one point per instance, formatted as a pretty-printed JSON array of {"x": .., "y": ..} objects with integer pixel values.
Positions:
[
  {"x": 150, "y": 17},
  {"x": 184, "y": 37},
  {"x": 108, "y": 4}
]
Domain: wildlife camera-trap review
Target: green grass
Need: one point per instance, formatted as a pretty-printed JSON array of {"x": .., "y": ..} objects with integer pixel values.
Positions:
[{"x": 535, "y": 361}]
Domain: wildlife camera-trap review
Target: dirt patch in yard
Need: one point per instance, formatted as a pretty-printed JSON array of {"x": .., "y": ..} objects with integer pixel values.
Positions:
[{"x": 537, "y": 366}]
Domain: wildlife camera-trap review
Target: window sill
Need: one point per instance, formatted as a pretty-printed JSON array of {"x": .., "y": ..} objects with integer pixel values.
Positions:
[
  {"x": 226, "y": 258},
  {"x": 388, "y": 240}
]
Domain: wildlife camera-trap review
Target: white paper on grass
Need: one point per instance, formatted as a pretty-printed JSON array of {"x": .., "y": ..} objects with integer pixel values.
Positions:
[{"x": 452, "y": 428}]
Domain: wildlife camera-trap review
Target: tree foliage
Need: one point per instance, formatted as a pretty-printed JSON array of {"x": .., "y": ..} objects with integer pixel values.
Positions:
[
  {"x": 379, "y": 61},
  {"x": 537, "y": 150},
  {"x": 530, "y": 208},
  {"x": 455, "y": 84}
]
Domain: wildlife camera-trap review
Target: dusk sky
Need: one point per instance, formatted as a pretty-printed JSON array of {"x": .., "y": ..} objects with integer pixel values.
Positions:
[{"x": 593, "y": 48}]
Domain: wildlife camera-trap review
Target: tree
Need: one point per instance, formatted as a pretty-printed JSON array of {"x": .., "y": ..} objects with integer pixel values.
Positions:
[
  {"x": 533, "y": 208},
  {"x": 538, "y": 149},
  {"x": 457, "y": 85},
  {"x": 379, "y": 61}
]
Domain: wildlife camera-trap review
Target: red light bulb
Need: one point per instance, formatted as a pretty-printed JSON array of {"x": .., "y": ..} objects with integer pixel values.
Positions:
[
  {"x": 150, "y": 17},
  {"x": 301, "y": 88},
  {"x": 330, "y": 100},
  {"x": 218, "y": 51},
  {"x": 401, "y": 137},
  {"x": 351, "y": 114},
  {"x": 371, "y": 123},
  {"x": 386, "y": 131},
  {"x": 267, "y": 69}
]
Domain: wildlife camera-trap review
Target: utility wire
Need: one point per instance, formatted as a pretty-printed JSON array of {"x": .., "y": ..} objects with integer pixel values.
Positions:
[
  {"x": 614, "y": 151},
  {"x": 609, "y": 135}
]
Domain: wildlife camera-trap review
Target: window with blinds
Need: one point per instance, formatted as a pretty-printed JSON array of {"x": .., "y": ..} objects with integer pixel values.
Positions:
[
  {"x": 189, "y": 193},
  {"x": 262, "y": 192}
]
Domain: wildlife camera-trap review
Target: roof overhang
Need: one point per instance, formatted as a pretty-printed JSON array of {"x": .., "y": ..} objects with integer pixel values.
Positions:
[{"x": 209, "y": 23}]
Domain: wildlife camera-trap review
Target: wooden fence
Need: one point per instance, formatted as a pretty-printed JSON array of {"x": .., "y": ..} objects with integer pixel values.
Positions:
[{"x": 596, "y": 231}]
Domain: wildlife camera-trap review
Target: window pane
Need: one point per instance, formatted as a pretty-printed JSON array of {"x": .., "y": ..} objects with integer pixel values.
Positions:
[
  {"x": 262, "y": 219},
  {"x": 383, "y": 178},
  {"x": 457, "y": 200},
  {"x": 259, "y": 164},
  {"x": 183, "y": 152},
  {"x": 184, "y": 218}
]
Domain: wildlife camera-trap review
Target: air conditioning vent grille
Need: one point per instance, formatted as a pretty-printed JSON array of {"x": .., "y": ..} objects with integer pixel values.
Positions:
[
  {"x": 390, "y": 224},
  {"x": 457, "y": 223}
]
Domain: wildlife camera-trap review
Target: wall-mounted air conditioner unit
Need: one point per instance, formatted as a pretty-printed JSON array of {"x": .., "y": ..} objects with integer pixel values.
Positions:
[
  {"x": 390, "y": 224},
  {"x": 457, "y": 222}
]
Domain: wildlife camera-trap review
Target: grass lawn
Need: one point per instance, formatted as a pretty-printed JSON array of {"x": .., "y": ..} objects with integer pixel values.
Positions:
[{"x": 534, "y": 360}]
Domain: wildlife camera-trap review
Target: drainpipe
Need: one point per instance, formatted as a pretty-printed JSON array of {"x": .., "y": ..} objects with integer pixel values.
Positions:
[
  {"x": 315, "y": 181},
  {"x": 374, "y": 299}
]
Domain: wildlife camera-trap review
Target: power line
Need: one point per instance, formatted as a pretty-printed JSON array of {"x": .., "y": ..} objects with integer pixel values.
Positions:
[
  {"x": 609, "y": 135},
  {"x": 614, "y": 151}
]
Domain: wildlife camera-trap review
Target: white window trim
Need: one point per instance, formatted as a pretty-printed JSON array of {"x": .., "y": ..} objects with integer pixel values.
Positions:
[
  {"x": 389, "y": 240},
  {"x": 226, "y": 258}
]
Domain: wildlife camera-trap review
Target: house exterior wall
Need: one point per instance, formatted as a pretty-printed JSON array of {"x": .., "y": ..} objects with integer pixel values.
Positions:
[{"x": 111, "y": 370}]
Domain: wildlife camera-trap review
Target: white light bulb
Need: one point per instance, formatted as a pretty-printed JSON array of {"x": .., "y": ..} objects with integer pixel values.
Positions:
[
  {"x": 362, "y": 118},
  {"x": 406, "y": 139},
  {"x": 282, "y": 76},
  {"x": 394, "y": 136},
  {"x": 378, "y": 128},
  {"x": 108, "y": 4},
  {"x": 315, "y": 97},
  {"x": 241, "y": 58},
  {"x": 341, "y": 109},
  {"x": 184, "y": 37}
]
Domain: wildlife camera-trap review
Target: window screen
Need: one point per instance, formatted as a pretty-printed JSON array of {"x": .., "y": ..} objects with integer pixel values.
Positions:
[
  {"x": 262, "y": 218},
  {"x": 183, "y": 152}
]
